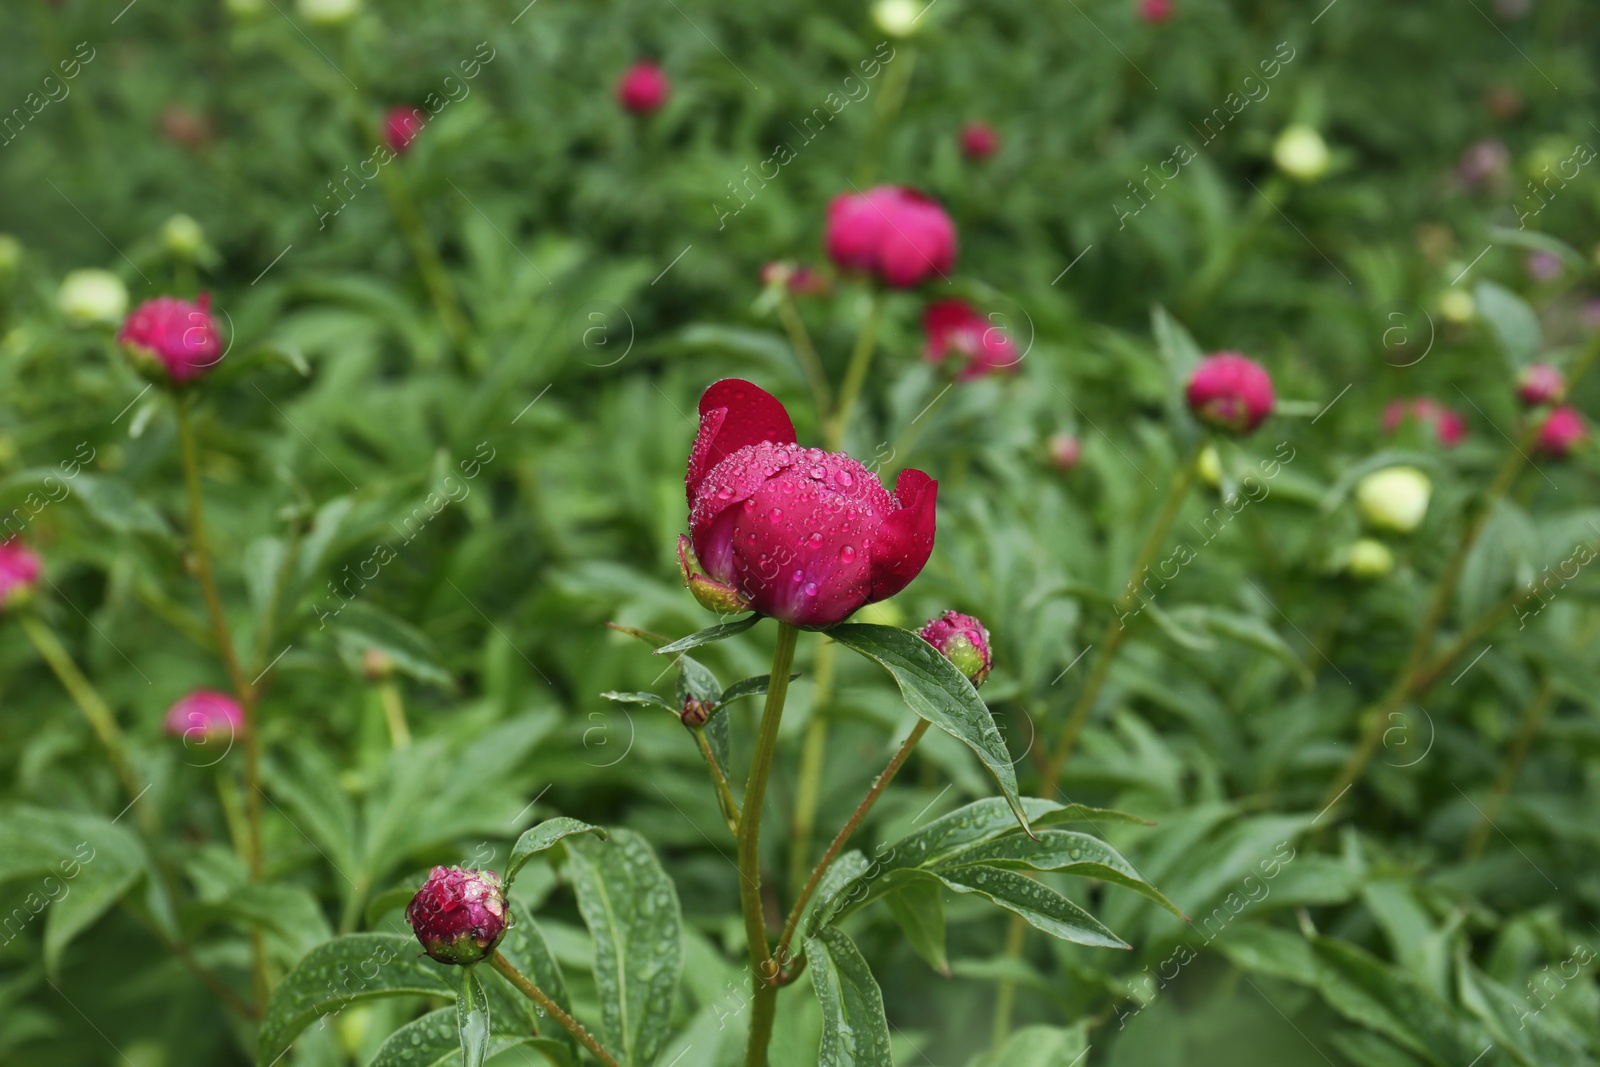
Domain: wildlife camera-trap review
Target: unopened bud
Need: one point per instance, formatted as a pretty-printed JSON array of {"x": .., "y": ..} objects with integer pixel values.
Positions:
[{"x": 458, "y": 915}]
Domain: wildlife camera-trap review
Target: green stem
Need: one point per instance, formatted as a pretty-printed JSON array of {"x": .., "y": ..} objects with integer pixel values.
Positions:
[
  {"x": 730, "y": 807},
  {"x": 813, "y": 756},
  {"x": 855, "y": 375},
  {"x": 1532, "y": 720},
  {"x": 805, "y": 352},
  {"x": 762, "y": 970},
  {"x": 94, "y": 708},
  {"x": 895, "y": 84},
  {"x": 551, "y": 1008},
  {"x": 1006, "y": 995},
  {"x": 845, "y": 832},
  {"x": 1116, "y": 628},
  {"x": 394, "y": 712}
]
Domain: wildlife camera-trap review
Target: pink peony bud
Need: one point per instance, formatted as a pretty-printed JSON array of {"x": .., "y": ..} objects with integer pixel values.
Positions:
[
  {"x": 168, "y": 339},
  {"x": 1541, "y": 384},
  {"x": 458, "y": 915},
  {"x": 981, "y": 347},
  {"x": 643, "y": 88},
  {"x": 1065, "y": 451},
  {"x": 979, "y": 140},
  {"x": 898, "y": 234},
  {"x": 1230, "y": 392},
  {"x": 1449, "y": 427},
  {"x": 800, "y": 534},
  {"x": 1561, "y": 431},
  {"x": 401, "y": 125},
  {"x": 203, "y": 714},
  {"x": 19, "y": 573},
  {"x": 962, "y": 640},
  {"x": 1155, "y": 11}
]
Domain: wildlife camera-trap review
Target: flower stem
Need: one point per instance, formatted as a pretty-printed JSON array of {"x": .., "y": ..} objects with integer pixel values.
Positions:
[
  {"x": 1532, "y": 720},
  {"x": 730, "y": 807},
  {"x": 855, "y": 375},
  {"x": 565, "y": 1021},
  {"x": 1116, "y": 628},
  {"x": 394, "y": 712},
  {"x": 1006, "y": 995},
  {"x": 850, "y": 826},
  {"x": 805, "y": 352},
  {"x": 762, "y": 969},
  {"x": 93, "y": 706}
]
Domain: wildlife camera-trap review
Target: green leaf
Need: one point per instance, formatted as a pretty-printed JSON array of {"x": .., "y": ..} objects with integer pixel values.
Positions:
[
  {"x": 640, "y": 698},
  {"x": 1513, "y": 321},
  {"x": 538, "y": 838},
  {"x": 919, "y": 909},
  {"x": 749, "y": 687},
  {"x": 341, "y": 972},
  {"x": 709, "y": 635},
  {"x": 855, "y": 1032},
  {"x": 1040, "y": 1046},
  {"x": 631, "y": 908},
  {"x": 696, "y": 680},
  {"x": 525, "y": 947},
  {"x": 472, "y": 1019},
  {"x": 1042, "y": 906},
  {"x": 1178, "y": 349},
  {"x": 361, "y": 627},
  {"x": 1532, "y": 1036},
  {"x": 938, "y": 692},
  {"x": 1061, "y": 850},
  {"x": 434, "y": 1041}
]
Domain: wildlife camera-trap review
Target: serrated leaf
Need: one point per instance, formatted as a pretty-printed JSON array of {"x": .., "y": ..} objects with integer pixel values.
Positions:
[
  {"x": 937, "y": 691},
  {"x": 341, "y": 972},
  {"x": 536, "y": 839},
  {"x": 710, "y": 635},
  {"x": 855, "y": 1032},
  {"x": 631, "y": 908},
  {"x": 472, "y": 1019}
]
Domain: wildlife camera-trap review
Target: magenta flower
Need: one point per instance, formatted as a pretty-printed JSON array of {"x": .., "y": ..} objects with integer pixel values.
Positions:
[
  {"x": 800, "y": 534},
  {"x": 1541, "y": 384},
  {"x": 1230, "y": 392},
  {"x": 1562, "y": 431},
  {"x": 954, "y": 328},
  {"x": 203, "y": 714},
  {"x": 172, "y": 340},
  {"x": 897, "y": 234},
  {"x": 1449, "y": 427},
  {"x": 459, "y": 916},
  {"x": 643, "y": 88},
  {"x": 19, "y": 573},
  {"x": 401, "y": 125},
  {"x": 1155, "y": 11},
  {"x": 962, "y": 640},
  {"x": 979, "y": 140}
]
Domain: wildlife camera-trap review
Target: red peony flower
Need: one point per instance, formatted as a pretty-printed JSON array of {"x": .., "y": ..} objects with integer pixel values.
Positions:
[
  {"x": 1562, "y": 430},
  {"x": 204, "y": 713},
  {"x": 1541, "y": 384},
  {"x": 1065, "y": 451},
  {"x": 953, "y": 327},
  {"x": 1155, "y": 11},
  {"x": 458, "y": 915},
  {"x": 898, "y": 234},
  {"x": 962, "y": 640},
  {"x": 643, "y": 88},
  {"x": 1230, "y": 392},
  {"x": 401, "y": 125},
  {"x": 1448, "y": 426},
  {"x": 19, "y": 572},
  {"x": 979, "y": 140},
  {"x": 172, "y": 339},
  {"x": 800, "y": 534}
]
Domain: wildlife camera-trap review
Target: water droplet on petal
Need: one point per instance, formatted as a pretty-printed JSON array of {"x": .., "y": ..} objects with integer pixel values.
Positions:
[
  {"x": 847, "y": 554},
  {"x": 811, "y": 589}
]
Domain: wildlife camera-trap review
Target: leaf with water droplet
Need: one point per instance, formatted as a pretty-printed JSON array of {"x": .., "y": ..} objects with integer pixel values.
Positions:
[
  {"x": 855, "y": 1031},
  {"x": 720, "y": 632},
  {"x": 538, "y": 838}
]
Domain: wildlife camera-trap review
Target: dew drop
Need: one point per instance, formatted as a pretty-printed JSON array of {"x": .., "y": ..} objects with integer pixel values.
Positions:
[
  {"x": 843, "y": 478},
  {"x": 811, "y": 589}
]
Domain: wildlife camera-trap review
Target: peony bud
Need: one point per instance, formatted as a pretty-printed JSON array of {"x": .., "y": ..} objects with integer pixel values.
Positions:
[
  {"x": 1541, "y": 384},
  {"x": 204, "y": 714},
  {"x": 1065, "y": 451},
  {"x": 954, "y": 328},
  {"x": 1209, "y": 466},
  {"x": 458, "y": 915},
  {"x": 19, "y": 573},
  {"x": 1155, "y": 12},
  {"x": 376, "y": 665},
  {"x": 401, "y": 125},
  {"x": 805, "y": 536},
  {"x": 962, "y": 640},
  {"x": 1230, "y": 392},
  {"x": 329, "y": 12},
  {"x": 1394, "y": 498},
  {"x": 183, "y": 236},
  {"x": 979, "y": 140},
  {"x": 897, "y": 18},
  {"x": 1448, "y": 426},
  {"x": 1562, "y": 430},
  {"x": 1301, "y": 153},
  {"x": 800, "y": 280},
  {"x": 92, "y": 295},
  {"x": 1368, "y": 559},
  {"x": 172, "y": 340},
  {"x": 643, "y": 88},
  {"x": 1458, "y": 306},
  {"x": 696, "y": 712},
  {"x": 896, "y": 233}
]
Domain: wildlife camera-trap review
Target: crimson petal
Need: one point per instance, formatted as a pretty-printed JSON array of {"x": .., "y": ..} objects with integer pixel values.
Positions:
[
  {"x": 734, "y": 413},
  {"x": 905, "y": 540}
]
